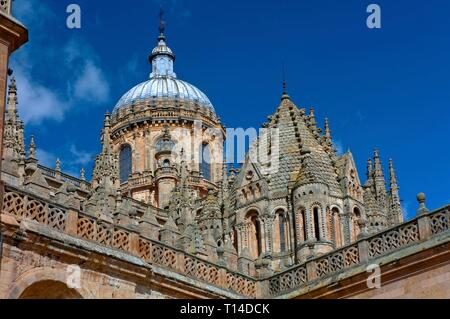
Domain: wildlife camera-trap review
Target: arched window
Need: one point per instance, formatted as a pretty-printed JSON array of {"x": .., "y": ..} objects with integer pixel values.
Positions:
[
  {"x": 282, "y": 235},
  {"x": 254, "y": 234},
  {"x": 205, "y": 161},
  {"x": 125, "y": 160},
  {"x": 316, "y": 217},
  {"x": 281, "y": 232},
  {"x": 166, "y": 163}
]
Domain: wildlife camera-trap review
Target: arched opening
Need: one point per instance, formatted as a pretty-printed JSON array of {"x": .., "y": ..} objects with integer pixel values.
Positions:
[
  {"x": 281, "y": 232},
  {"x": 336, "y": 227},
  {"x": 205, "y": 161},
  {"x": 125, "y": 163},
  {"x": 166, "y": 163},
  {"x": 316, "y": 219},
  {"x": 254, "y": 234},
  {"x": 49, "y": 289}
]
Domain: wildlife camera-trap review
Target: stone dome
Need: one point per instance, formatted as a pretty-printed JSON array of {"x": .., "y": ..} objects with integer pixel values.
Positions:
[
  {"x": 163, "y": 83},
  {"x": 163, "y": 87}
]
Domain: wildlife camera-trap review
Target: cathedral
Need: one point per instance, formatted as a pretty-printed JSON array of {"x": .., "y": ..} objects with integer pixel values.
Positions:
[
  {"x": 163, "y": 192},
  {"x": 312, "y": 203}
]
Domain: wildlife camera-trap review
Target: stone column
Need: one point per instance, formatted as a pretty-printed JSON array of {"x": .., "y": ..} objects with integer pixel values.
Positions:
[
  {"x": 267, "y": 222},
  {"x": 346, "y": 220},
  {"x": 240, "y": 228},
  {"x": 309, "y": 224}
]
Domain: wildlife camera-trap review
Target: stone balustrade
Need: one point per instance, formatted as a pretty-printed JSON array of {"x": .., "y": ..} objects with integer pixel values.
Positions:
[
  {"x": 368, "y": 249},
  {"x": 146, "y": 114},
  {"x": 64, "y": 177},
  {"x": 363, "y": 251},
  {"x": 82, "y": 225},
  {"x": 142, "y": 179},
  {"x": 162, "y": 172}
]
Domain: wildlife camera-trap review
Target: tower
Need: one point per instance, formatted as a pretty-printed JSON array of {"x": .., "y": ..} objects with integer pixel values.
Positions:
[
  {"x": 154, "y": 121},
  {"x": 166, "y": 175}
]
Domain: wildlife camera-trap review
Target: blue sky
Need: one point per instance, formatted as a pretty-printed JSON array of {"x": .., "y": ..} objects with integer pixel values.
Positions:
[{"x": 386, "y": 89}]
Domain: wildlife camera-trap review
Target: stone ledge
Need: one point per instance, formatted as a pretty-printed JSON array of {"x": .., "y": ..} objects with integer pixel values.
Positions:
[
  {"x": 333, "y": 280},
  {"x": 42, "y": 230}
]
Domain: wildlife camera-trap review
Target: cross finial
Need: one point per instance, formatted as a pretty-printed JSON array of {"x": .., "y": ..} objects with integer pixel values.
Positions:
[{"x": 162, "y": 24}]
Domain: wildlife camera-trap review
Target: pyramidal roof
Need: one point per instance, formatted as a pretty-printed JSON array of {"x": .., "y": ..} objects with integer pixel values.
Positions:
[{"x": 304, "y": 158}]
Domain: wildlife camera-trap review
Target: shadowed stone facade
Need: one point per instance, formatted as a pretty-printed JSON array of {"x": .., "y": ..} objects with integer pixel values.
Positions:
[{"x": 157, "y": 220}]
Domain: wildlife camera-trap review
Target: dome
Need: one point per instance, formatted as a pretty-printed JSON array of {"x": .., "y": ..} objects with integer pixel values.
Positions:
[
  {"x": 163, "y": 82},
  {"x": 163, "y": 87}
]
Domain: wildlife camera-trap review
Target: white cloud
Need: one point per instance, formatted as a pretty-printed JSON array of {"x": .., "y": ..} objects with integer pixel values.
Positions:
[
  {"x": 37, "y": 103},
  {"x": 46, "y": 158},
  {"x": 85, "y": 80},
  {"x": 92, "y": 85},
  {"x": 49, "y": 94},
  {"x": 34, "y": 12},
  {"x": 76, "y": 50},
  {"x": 80, "y": 157}
]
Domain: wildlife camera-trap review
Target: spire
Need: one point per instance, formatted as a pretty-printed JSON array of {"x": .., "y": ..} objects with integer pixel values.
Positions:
[
  {"x": 32, "y": 149},
  {"x": 162, "y": 57},
  {"x": 106, "y": 170},
  {"x": 224, "y": 171},
  {"x": 106, "y": 132},
  {"x": 285, "y": 95},
  {"x": 82, "y": 174},
  {"x": 12, "y": 97},
  {"x": 162, "y": 25},
  {"x": 312, "y": 117},
  {"x": 380, "y": 182},
  {"x": 327, "y": 132},
  {"x": 369, "y": 169},
  {"x": 392, "y": 176},
  {"x": 13, "y": 138},
  {"x": 396, "y": 215},
  {"x": 184, "y": 172},
  {"x": 377, "y": 164}
]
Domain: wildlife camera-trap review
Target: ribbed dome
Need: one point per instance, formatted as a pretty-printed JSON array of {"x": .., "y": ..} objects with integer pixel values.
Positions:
[
  {"x": 163, "y": 82},
  {"x": 162, "y": 48},
  {"x": 163, "y": 87}
]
